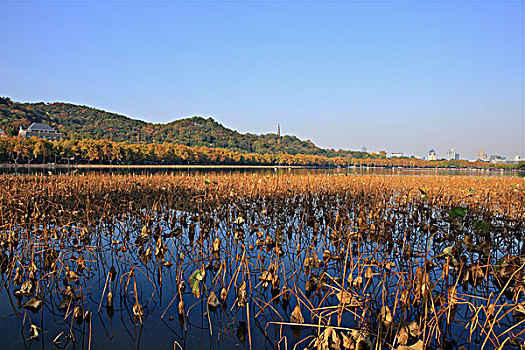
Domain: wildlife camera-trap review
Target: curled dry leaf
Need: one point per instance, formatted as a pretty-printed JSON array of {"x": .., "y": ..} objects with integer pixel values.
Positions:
[
  {"x": 417, "y": 346},
  {"x": 180, "y": 308},
  {"x": 224, "y": 295},
  {"x": 357, "y": 283},
  {"x": 402, "y": 335},
  {"x": 385, "y": 315},
  {"x": 369, "y": 274},
  {"x": 78, "y": 314},
  {"x": 138, "y": 311},
  {"x": 109, "y": 298},
  {"x": 406, "y": 331},
  {"x": 212, "y": 300},
  {"x": 216, "y": 245},
  {"x": 347, "y": 299},
  {"x": 18, "y": 277},
  {"x": 72, "y": 276},
  {"x": 239, "y": 221},
  {"x": 327, "y": 340},
  {"x": 27, "y": 287},
  {"x": 242, "y": 296},
  {"x": 34, "y": 331},
  {"x": 33, "y": 304},
  {"x": 297, "y": 316},
  {"x": 357, "y": 339}
]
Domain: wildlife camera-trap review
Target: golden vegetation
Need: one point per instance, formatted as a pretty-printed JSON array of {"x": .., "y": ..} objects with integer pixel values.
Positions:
[{"x": 340, "y": 261}]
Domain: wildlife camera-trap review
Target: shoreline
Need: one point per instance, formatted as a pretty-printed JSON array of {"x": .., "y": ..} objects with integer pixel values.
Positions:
[
  {"x": 9, "y": 166},
  {"x": 142, "y": 166}
]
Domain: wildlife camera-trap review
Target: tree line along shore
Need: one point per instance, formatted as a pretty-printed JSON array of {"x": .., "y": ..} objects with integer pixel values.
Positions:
[{"x": 19, "y": 150}]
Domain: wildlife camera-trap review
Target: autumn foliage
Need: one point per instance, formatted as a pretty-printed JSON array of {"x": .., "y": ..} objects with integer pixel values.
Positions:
[{"x": 15, "y": 149}]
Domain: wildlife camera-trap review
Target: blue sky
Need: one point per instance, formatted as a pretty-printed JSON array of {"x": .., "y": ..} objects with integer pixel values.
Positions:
[{"x": 396, "y": 76}]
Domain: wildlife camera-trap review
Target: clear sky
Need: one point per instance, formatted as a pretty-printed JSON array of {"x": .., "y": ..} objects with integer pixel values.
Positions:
[{"x": 402, "y": 76}]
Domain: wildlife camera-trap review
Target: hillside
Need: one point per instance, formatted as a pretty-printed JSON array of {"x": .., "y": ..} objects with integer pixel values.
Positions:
[{"x": 82, "y": 122}]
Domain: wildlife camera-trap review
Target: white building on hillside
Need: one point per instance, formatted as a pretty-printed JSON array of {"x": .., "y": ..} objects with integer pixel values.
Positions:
[{"x": 41, "y": 130}]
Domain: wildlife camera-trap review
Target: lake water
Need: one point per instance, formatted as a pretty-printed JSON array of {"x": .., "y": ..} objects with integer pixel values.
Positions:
[
  {"x": 37, "y": 169},
  {"x": 139, "y": 274}
]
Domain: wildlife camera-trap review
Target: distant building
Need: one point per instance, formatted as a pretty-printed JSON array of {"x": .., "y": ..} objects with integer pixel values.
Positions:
[
  {"x": 494, "y": 158},
  {"x": 431, "y": 155},
  {"x": 517, "y": 158},
  {"x": 41, "y": 130},
  {"x": 397, "y": 155},
  {"x": 482, "y": 155},
  {"x": 452, "y": 154},
  {"x": 278, "y": 130}
]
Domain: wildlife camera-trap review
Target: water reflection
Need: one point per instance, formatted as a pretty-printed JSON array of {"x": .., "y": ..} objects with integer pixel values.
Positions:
[{"x": 192, "y": 170}]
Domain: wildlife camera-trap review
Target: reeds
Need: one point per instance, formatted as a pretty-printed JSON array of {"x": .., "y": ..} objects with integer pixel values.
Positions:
[{"x": 325, "y": 262}]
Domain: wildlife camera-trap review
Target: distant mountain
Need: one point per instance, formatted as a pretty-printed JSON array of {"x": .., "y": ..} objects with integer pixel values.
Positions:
[{"x": 82, "y": 122}]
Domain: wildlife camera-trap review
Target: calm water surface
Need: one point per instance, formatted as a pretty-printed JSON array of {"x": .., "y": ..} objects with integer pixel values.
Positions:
[{"x": 11, "y": 169}]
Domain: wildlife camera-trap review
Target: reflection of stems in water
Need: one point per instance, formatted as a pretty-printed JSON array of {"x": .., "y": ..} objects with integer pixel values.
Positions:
[
  {"x": 42, "y": 326},
  {"x": 110, "y": 336},
  {"x": 267, "y": 304},
  {"x": 15, "y": 312},
  {"x": 140, "y": 335}
]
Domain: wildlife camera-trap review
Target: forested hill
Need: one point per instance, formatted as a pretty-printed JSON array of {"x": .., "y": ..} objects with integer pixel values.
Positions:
[{"x": 82, "y": 122}]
